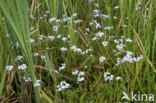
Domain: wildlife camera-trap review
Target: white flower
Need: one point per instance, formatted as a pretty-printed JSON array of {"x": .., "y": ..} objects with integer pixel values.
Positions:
[
  {"x": 59, "y": 36},
  {"x": 114, "y": 17},
  {"x": 51, "y": 37},
  {"x": 129, "y": 52},
  {"x": 7, "y": 35},
  {"x": 18, "y": 58},
  {"x": 87, "y": 29},
  {"x": 81, "y": 73},
  {"x": 116, "y": 41},
  {"x": 42, "y": 57},
  {"x": 37, "y": 83},
  {"x": 147, "y": 9},
  {"x": 118, "y": 78},
  {"x": 128, "y": 58},
  {"x": 97, "y": 25},
  {"x": 111, "y": 37},
  {"x": 118, "y": 61},
  {"x": 68, "y": 36},
  {"x": 75, "y": 14},
  {"x": 78, "y": 21},
  {"x": 85, "y": 67},
  {"x": 52, "y": 19},
  {"x": 40, "y": 38},
  {"x": 108, "y": 27},
  {"x": 80, "y": 79},
  {"x": 105, "y": 16},
  {"x": 47, "y": 11},
  {"x": 128, "y": 40},
  {"x": 102, "y": 58},
  {"x": 96, "y": 4},
  {"x": 58, "y": 20},
  {"x": 105, "y": 43},
  {"x": 96, "y": 11},
  {"x": 64, "y": 39},
  {"x": 94, "y": 38},
  {"x": 32, "y": 28},
  {"x": 32, "y": 40},
  {"x": 63, "y": 49},
  {"x": 108, "y": 76},
  {"x": 55, "y": 28},
  {"x": 9, "y": 67},
  {"x": 28, "y": 79},
  {"x": 62, "y": 85},
  {"x": 116, "y": 7},
  {"x": 36, "y": 54},
  {"x": 137, "y": 59},
  {"x": 120, "y": 47},
  {"x": 125, "y": 26},
  {"x": 22, "y": 67},
  {"x": 62, "y": 67},
  {"x": 99, "y": 34},
  {"x": 75, "y": 72}
]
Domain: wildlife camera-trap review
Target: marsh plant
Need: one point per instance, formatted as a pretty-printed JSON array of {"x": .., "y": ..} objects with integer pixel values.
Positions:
[{"x": 77, "y": 51}]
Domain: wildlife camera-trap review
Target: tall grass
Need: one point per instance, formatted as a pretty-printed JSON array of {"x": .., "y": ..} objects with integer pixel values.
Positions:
[{"x": 17, "y": 17}]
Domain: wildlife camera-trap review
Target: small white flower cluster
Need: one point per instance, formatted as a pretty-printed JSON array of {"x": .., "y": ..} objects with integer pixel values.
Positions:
[
  {"x": 36, "y": 54},
  {"x": 7, "y": 35},
  {"x": 138, "y": 8},
  {"x": 64, "y": 38},
  {"x": 96, "y": 4},
  {"x": 32, "y": 40},
  {"x": 75, "y": 14},
  {"x": 105, "y": 16},
  {"x": 62, "y": 85},
  {"x": 51, "y": 37},
  {"x": 52, "y": 19},
  {"x": 105, "y": 43},
  {"x": 98, "y": 35},
  {"x": 114, "y": 17},
  {"x": 108, "y": 28},
  {"x": 80, "y": 77},
  {"x": 9, "y": 67},
  {"x": 19, "y": 58},
  {"x": 27, "y": 79},
  {"x": 129, "y": 40},
  {"x": 55, "y": 28},
  {"x": 79, "y": 50},
  {"x": 63, "y": 65},
  {"x": 63, "y": 49},
  {"x": 32, "y": 28},
  {"x": 116, "y": 7},
  {"x": 96, "y": 13},
  {"x": 42, "y": 57},
  {"x": 78, "y": 21},
  {"x": 129, "y": 58},
  {"x": 120, "y": 47},
  {"x": 109, "y": 77},
  {"x": 75, "y": 72},
  {"x": 102, "y": 59},
  {"x": 97, "y": 25},
  {"x": 22, "y": 67},
  {"x": 37, "y": 83}
]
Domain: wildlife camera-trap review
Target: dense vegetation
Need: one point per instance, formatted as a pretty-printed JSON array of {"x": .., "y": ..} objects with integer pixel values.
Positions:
[{"x": 76, "y": 51}]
